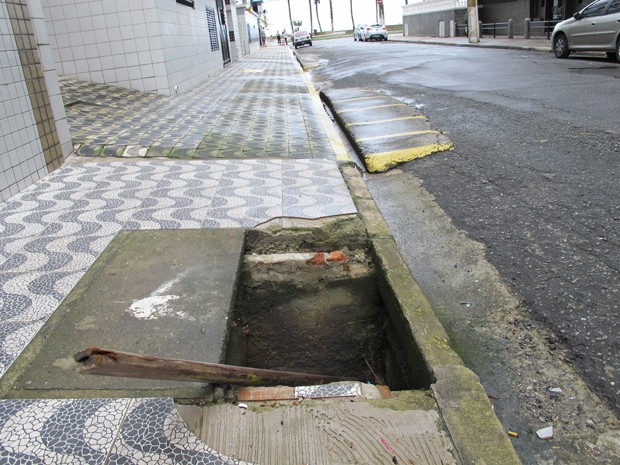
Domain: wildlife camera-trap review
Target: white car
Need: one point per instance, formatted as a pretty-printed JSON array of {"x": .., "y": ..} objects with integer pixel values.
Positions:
[
  {"x": 596, "y": 28},
  {"x": 301, "y": 38},
  {"x": 375, "y": 32}
]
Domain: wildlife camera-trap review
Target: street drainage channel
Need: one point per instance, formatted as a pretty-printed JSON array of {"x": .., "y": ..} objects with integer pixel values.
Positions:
[
  {"x": 316, "y": 312},
  {"x": 311, "y": 302}
]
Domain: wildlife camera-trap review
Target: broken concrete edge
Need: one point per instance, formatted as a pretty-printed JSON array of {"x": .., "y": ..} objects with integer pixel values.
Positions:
[
  {"x": 466, "y": 410},
  {"x": 314, "y": 236}
]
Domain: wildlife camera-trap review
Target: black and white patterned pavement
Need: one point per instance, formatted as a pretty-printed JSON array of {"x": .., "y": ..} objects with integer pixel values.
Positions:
[
  {"x": 51, "y": 234},
  {"x": 281, "y": 165}
]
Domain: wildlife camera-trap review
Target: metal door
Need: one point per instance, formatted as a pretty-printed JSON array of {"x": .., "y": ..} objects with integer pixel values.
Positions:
[{"x": 223, "y": 30}]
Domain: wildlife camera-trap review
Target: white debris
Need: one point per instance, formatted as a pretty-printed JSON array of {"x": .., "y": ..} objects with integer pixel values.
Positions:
[
  {"x": 545, "y": 433},
  {"x": 155, "y": 307},
  {"x": 242, "y": 405}
]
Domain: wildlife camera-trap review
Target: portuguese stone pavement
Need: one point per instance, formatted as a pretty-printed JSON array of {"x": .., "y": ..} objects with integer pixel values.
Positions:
[{"x": 246, "y": 147}]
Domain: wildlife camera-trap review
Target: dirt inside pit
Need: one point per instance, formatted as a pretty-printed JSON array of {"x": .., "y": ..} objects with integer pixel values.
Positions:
[
  {"x": 332, "y": 328},
  {"x": 326, "y": 318}
]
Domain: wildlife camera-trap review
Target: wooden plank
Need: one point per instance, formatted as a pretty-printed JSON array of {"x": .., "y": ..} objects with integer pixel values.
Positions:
[{"x": 104, "y": 362}]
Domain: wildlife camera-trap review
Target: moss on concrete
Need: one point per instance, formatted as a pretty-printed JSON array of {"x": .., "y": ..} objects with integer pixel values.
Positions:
[
  {"x": 465, "y": 408},
  {"x": 407, "y": 400},
  {"x": 477, "y": 433}
]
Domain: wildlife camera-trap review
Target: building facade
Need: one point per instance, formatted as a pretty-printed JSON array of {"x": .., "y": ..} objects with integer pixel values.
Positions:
[
  {"x": 432, "y": 17},
  {"x": 162, "y": 46},
  {"x": 248, "y": 26}
]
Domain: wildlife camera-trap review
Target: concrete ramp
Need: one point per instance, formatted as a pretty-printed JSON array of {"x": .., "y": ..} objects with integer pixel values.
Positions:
[
  {"x": 164, "y": 293},
  {"x": 383, "y": 130}
]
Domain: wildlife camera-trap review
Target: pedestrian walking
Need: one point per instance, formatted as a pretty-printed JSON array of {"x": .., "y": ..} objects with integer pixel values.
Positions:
[
  {"x": 285, "y": 36},
  {"x": 279, "y": 37}
]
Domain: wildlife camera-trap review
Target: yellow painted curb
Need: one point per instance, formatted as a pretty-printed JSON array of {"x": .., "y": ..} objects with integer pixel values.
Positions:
[
  {"x": 379, "y": 162},
  {"x": 400, "y": 134}
]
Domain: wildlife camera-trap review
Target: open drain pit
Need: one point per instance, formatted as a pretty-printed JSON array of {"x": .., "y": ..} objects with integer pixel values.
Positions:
[
  {"x": 329, "y": 313},
  {"x": 316, "y": 313}
]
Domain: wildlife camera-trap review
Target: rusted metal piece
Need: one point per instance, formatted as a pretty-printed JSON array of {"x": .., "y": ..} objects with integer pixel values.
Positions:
[{"x": 104, "y": 362}]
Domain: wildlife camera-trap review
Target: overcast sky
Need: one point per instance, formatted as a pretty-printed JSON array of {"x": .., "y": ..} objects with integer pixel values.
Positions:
[{"x": 363, "y": 12}]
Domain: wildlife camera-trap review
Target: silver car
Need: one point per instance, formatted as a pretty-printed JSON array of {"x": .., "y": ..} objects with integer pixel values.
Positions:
[
  {"x": 596, "y": 28},
  {"x": 359, "y": 32}
]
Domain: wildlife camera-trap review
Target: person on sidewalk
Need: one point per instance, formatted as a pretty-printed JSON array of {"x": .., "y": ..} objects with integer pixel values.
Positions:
[
  {"x": 279, "y": 37},
  {"x": 285, "y": 36}
]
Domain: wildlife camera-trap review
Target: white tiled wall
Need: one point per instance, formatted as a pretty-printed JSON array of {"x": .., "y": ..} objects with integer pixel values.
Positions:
[
  {"x": 51, "y": 76},
  {"x": 253, "y": 38},
  {"x": 232, "y": 24},
  {"x": 187, "y": 48},
  {"x": 147, "y": 45},
  {"x": 244, "y": 28},
  {"x": 22, "y": 159}
]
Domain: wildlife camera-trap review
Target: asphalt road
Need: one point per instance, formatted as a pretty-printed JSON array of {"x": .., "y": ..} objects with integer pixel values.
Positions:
[{"x": 533, "y": 176}]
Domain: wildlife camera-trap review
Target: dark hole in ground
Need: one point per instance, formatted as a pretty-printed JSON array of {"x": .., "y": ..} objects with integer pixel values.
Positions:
[{"x": 326, "y": 319}]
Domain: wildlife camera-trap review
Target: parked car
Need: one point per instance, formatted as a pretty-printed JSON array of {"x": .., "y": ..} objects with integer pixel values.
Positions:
[
  {"x": 376, "y": 31},
  {"x": 596, "y": 28},
  {"x": 301, "y": 38},
  {"x": 359, "y": 32}
]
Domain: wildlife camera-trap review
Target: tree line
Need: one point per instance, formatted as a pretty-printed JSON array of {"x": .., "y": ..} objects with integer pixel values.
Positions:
[{"x": 297, "y": 23}]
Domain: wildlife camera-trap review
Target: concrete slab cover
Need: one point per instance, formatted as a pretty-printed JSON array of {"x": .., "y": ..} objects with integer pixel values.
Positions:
[
  {"x": 322, "y": 433},
  {"x": 162, "y": 293}
]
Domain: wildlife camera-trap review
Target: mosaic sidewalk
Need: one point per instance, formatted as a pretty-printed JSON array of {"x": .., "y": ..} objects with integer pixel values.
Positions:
[
  {"x": 52, "y": 232},
  {"x": 257, "y": 108}
]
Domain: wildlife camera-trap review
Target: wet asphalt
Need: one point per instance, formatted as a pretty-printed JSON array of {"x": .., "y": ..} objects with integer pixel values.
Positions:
[{"x": 533, "y": 181}]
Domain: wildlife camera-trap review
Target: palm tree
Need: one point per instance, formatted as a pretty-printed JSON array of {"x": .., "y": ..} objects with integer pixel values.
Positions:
[
  {"x": 352, "y": 20},
  {"x": 290, "y": 18},
  {"x": 331, "y": 14},
  {"x": 316, "y": 6},
  {"x": 310, "y": 7}
]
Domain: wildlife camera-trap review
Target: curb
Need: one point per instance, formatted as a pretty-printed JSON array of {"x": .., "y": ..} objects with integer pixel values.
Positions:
[
  {"x": 496, "y": 46},
  {"x": 476, "y": 432}
]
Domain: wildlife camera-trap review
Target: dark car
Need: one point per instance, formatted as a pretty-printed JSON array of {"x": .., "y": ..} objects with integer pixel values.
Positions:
[{"x": 596, "y": 28}]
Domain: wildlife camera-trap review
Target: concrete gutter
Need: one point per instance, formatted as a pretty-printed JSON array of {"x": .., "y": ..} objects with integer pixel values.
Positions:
[{"x": 476, "y": 432}]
